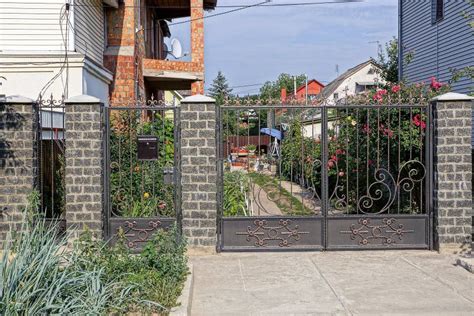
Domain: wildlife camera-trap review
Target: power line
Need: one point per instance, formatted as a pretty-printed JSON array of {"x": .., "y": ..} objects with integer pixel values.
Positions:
[{"x": 311, "y": 3}]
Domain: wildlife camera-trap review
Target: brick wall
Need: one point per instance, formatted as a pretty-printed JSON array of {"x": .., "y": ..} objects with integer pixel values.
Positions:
[
  {"x": 17, "y": 160},
  {"x": 199, "y": 171},
  {"x": 84, "y": 170},
  {"x": 453, "y": 172},
  {"x": 125, "y": 56}
]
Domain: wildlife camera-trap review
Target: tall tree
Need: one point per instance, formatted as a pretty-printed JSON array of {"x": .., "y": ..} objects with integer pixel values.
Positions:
[
  {"x": 272, "y": 89},
  {"x": 388, "y": 61},
  {"x": 220, "y": 88}
]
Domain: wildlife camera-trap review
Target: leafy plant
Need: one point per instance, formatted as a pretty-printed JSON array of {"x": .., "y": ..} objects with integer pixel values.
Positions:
[
  {"x": 137, "y": 187},
  {"x": 236, "y": 194},
  {"x": 37, "y": 279}
]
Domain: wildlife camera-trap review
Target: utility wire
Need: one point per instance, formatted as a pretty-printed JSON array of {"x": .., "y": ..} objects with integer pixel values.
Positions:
[{"x": 294, "y": 4}]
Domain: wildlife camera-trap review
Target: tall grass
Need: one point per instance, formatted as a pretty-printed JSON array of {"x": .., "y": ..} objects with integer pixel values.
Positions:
[{"x": 36, "y": 277}]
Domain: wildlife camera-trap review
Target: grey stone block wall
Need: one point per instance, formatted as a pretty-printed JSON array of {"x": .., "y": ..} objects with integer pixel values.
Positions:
[
  {"x": 199, "y": 171},
  {"x": 453, "y": 173},
  {"x": 18, "y": 161},
  {"x": 84, "y": 169}
]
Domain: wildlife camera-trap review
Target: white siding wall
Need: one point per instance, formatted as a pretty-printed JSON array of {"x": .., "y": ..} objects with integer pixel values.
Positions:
[
  {"x": 349, "y": 84},
  {"x": 29, "y": 26},
  {"x": 89, "y": 29},
  {"x": 34, "y": 25}
]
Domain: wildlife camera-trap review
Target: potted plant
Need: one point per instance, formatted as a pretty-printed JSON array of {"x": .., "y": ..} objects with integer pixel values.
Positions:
[{"x": 251, "y": 148}]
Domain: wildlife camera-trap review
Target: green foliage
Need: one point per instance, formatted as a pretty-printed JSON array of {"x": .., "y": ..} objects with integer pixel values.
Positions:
[
  {"x": 157, "y": 273},
  {"x": 388, "y": 61},
  {"x": 236, "y": 194},
  {"x": 272, "y": 89},
  {"x": 137, "y": 187},
  {"x": 220, "y": 88},
  {"x": 362, "y": 142},
  {"x": 37, "y": 279}
]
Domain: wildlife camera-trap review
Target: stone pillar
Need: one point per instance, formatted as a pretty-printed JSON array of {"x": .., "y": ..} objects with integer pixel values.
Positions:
[
  {"x": 18, "y": 160},
  {"x": 199, "y": 172},
  {"x": 453, "y": 172},
  {"x": 84, "y": 169}
]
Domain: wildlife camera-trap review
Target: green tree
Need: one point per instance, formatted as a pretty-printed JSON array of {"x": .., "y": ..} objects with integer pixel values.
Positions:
[
  {"x": 272, "y": 89},
  {"x": 220, "y": 88},
  {"x": 388, "y": 61}
]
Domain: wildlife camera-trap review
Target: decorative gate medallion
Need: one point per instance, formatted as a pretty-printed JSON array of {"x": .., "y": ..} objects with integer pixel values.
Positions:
[{"x": 263, "y": 234}]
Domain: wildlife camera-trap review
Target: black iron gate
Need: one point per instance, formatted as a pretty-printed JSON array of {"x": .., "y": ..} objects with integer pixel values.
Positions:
[
  {"x": 325, "y": 177},
  {"x": 142, "y": 172}
]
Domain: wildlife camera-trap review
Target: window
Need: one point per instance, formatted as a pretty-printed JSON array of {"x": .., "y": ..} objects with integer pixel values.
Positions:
[
  {"x": 336, "y": 96},
  {"x": 438, "y": 10}
]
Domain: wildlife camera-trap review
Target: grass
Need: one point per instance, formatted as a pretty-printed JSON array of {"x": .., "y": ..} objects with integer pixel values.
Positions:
[
  {"x": 39, "y": 275},
  {"x": 286, "y": 202}
]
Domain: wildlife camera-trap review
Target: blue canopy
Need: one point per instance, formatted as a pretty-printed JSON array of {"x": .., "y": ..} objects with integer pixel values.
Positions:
[{"x": 272, "y": 132}]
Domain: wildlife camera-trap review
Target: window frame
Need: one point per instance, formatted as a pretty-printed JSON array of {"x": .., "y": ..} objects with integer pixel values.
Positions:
[{"x": 437, "y": 13}]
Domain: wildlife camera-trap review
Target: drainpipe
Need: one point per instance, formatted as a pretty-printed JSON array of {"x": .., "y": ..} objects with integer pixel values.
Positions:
[{"x": 400, "y": 42}]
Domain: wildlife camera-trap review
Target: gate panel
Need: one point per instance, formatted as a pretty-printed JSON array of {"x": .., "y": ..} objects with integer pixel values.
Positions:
[
  {"x": 142, "y": 172},
  {"x": 270, "y": 162},
  {"x": 378, "y": 232},
  {"x": 325, "y": 177}
]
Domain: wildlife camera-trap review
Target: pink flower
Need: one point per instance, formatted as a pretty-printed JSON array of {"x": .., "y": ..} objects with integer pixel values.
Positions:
[
  {"x": 419, "y": 122},
  {"x": 435, "y": 84},
  {"x": 395, "y": 89},
  {"x": 366, "y": 129}
]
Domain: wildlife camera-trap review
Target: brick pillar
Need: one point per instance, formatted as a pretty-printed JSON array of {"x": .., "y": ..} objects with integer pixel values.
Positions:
[
  {"x": 453, "y": 172},
  {"x": 18, "y": 160},
  {"x": 84, "y": 158},
  {"x": 199, "y": 172}
]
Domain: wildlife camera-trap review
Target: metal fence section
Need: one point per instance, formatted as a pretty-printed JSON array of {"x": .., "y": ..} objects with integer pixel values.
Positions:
[
  {"x": 325, "y": 177},
  {"x": 51, "y": 160},
  {"x": 142, "y": 172}
]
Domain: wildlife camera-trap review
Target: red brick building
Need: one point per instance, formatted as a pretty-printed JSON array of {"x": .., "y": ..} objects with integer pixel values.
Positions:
[{"x": 135, "y": 42}]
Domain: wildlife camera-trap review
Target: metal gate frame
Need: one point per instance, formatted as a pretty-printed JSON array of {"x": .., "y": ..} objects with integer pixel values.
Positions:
[
  {"x": 330, "y": 232},
  {"x": 139, "y": 230}
]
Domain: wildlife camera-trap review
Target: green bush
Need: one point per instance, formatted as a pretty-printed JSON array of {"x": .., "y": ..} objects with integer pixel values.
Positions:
[
  {"x": 236, "y": 194},
  {"x": 38, "y": 276},
  {"x": 37, "y": 279},
  {"x": 137, "y": 188}
]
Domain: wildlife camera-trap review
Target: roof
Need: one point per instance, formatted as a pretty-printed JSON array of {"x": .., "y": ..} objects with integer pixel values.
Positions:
[
  {"x": 333, "y": 85},
  {"x": 303, "y": 86}
]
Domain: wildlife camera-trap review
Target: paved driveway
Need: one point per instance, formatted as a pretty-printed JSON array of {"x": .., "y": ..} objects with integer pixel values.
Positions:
[{"x": 331, "y": 283}]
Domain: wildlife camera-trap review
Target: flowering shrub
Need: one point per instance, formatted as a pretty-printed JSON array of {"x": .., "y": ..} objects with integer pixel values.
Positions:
[{"x": 367, "y": 146}]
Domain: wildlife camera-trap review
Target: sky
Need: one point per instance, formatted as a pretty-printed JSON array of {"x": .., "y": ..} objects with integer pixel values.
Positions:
[{"x": 257, "y": 44}]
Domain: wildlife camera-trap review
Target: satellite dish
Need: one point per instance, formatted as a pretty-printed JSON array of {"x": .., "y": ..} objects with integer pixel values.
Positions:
[{"x": 176, "y": 49}]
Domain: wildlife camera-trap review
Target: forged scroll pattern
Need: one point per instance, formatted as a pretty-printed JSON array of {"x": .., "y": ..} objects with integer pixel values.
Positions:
[
  {"x": 263, "y": 234},
  {"x": 135, "y": 235},
  {"x": 387, "y": 232}
]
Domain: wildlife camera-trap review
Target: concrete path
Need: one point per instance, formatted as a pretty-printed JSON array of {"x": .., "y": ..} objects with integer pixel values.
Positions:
[
  {"x": 263, "y": 206},
  {"x": 331, "y": 283}
]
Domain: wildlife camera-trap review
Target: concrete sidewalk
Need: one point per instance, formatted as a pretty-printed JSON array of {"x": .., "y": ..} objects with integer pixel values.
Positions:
[{"x": 331, "y": 283}]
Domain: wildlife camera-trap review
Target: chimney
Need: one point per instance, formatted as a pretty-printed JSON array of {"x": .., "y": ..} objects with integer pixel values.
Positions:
[{"x": 283, "y": 95}]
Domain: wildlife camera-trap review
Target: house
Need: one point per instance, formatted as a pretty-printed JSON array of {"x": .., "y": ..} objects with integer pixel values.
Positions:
[
  {"x": 109, "y": 49},
  {"x": 313, "y": 90},
  {"x": 435, "y": 40},
  {"x": 360, "y": 78}
]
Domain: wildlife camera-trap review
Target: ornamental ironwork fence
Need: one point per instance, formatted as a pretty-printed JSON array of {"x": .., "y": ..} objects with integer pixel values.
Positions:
[
  {"x": 142, "y": 171},
  {"x": 325, "y": 176}
]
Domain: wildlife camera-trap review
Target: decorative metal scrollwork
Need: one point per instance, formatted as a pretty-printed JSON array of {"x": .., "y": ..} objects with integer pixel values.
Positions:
[
  {"x": 135, "y": 235},
  {"x": 264, "y": 233},
  {"x": 387, "y": 232}
]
